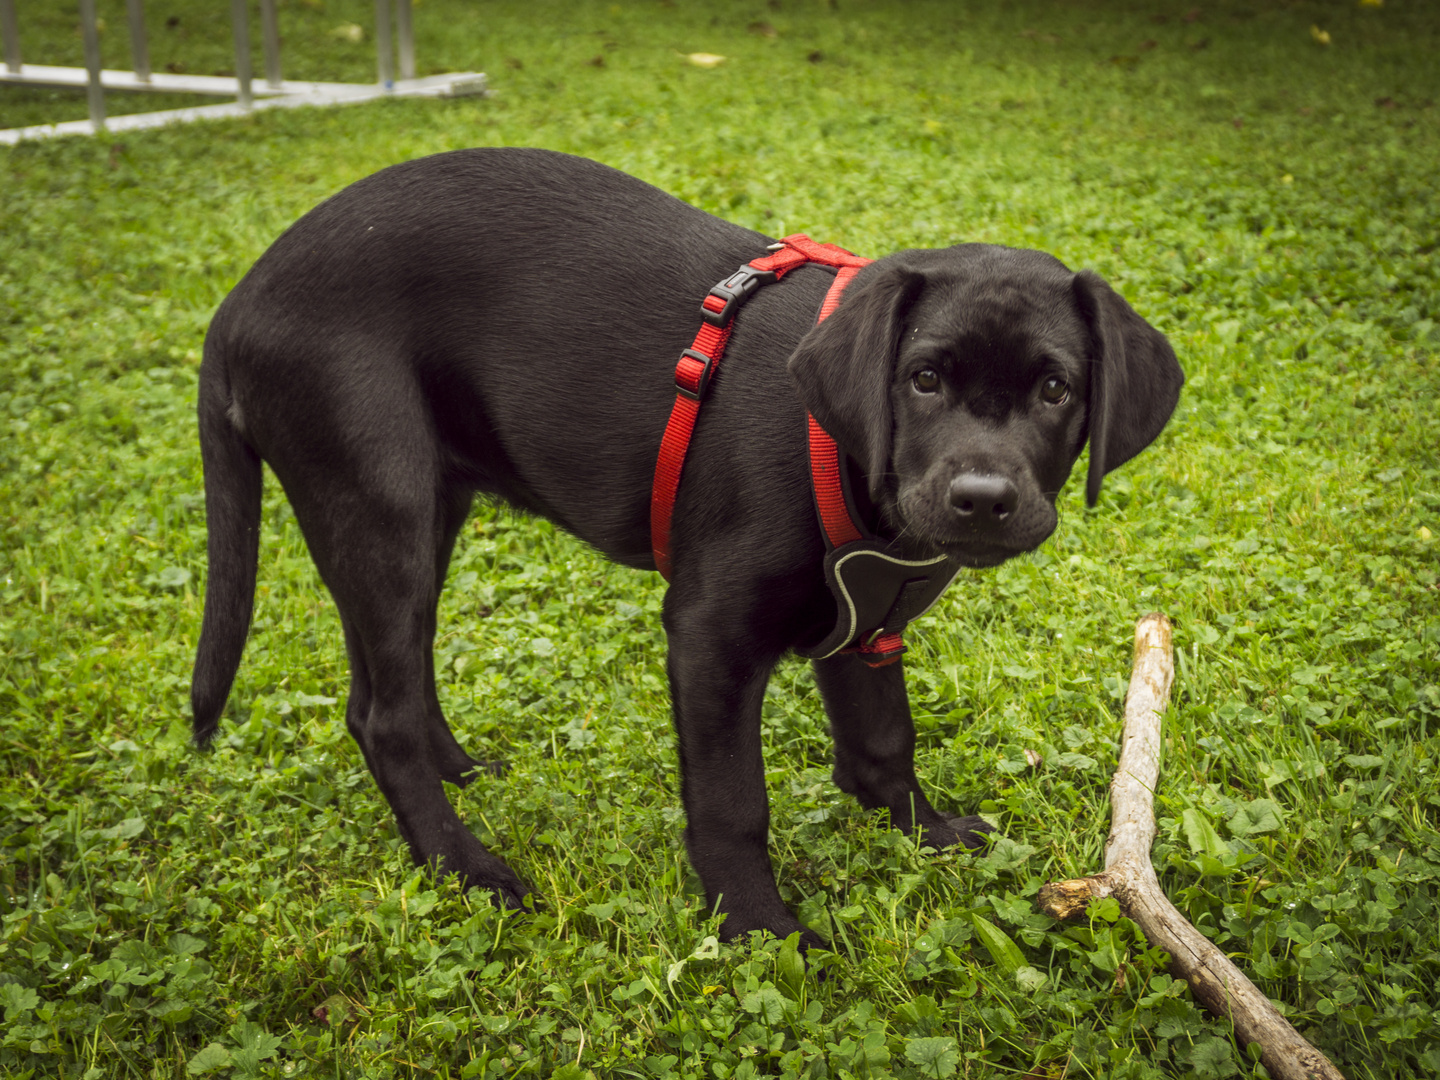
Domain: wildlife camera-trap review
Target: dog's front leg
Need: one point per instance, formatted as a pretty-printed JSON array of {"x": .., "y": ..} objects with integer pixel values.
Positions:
[
  {"x": 874, "y": 734},
  {"x": 717, "y": 683}
]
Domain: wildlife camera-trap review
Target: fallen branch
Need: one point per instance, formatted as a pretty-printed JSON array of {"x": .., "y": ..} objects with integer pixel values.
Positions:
[{"x": 1130, "y": 878}]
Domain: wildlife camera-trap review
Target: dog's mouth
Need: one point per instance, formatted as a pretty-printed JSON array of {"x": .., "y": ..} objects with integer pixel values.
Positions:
[
  {"x": 976, "y": 555},
  {"x": 981, "y": 551}
]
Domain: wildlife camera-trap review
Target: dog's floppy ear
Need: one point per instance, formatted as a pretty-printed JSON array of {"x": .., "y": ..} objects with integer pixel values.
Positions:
[
  {"x": 842, "y": 368},
  {"x": 1134, "y": 382}
]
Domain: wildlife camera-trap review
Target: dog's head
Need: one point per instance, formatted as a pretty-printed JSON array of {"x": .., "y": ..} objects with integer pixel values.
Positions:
[{"x": 965, "y": 382}]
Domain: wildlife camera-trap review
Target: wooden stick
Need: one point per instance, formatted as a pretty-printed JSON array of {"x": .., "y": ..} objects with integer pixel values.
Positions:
[{"x": 1130, "y": 878}]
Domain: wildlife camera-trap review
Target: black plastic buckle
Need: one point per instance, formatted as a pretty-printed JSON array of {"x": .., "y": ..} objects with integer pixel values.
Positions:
[
  {"x": 734, "y": 291},
  {"x": 702, "y": 381}
]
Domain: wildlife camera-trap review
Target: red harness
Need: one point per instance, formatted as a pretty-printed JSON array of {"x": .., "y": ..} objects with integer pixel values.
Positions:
[{"x": 876, "y": 591}]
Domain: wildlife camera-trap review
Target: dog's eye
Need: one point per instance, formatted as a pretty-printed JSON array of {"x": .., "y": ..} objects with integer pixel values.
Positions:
[
  {"x": 927, "y": 380},
  {"x": 1055, "y": 390}
]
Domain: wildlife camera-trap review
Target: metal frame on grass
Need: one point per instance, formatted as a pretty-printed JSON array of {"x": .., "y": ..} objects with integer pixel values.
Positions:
[{"x": 250, "y": 94}]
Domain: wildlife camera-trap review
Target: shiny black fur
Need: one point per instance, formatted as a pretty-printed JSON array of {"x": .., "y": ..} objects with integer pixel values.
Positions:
[{"x": 506, "y": 322}]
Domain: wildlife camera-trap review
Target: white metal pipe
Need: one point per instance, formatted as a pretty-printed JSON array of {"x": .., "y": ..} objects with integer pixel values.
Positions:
[
  {"x": 166, "y": 83},
  {"x": 139, "y": 46},
  {"x": 225, "y": 85},
  {"x": 241, "y": 18},
  {"x": 94, "y": 94},
  {"x": 384, "y": 48},
  {"x": 346, "y": 94},
  {"x": 406, "y": 32},
  {"x": 10, "y": 31},
  {"x": 270, "y": 39}
]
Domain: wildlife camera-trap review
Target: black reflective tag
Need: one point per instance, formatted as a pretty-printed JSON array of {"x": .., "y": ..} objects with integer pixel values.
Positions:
[{"x": 876, "y": 590}]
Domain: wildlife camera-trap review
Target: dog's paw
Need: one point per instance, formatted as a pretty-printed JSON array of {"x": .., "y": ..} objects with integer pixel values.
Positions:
[
  {"x": 464, "y": 774},
  {"x": 510, "y": 898},
  {"x": 737, "y": 927},
  {"x": 507, "y": 891},
  {"x": 973, "y": 830},
  {"x": 967, "y": 832},
  {"x": 809, "y": 939},
  {"x": 459, "y": 768},
  {"x": 481, "y": 870}
]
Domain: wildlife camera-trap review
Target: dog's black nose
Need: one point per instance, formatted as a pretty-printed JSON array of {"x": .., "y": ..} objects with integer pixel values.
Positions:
[{"x": 983, "y": 499}]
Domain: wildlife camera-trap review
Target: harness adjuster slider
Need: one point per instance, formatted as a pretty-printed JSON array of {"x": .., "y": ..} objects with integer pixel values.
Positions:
[
  {"x": 725, "y": 299},
  {"x": 693, "y": 388}
]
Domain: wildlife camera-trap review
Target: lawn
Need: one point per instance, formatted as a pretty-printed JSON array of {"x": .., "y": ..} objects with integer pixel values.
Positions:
[{"x": 1265, "y": 198}]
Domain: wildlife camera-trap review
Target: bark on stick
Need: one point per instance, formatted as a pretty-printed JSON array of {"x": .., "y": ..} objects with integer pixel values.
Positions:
[{"x": 1130, "y": 878}]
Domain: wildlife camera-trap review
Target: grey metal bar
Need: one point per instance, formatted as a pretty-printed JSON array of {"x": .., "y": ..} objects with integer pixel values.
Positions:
[
  {"x": 241, "y": 18},
  {"x": 139, "y": 46},
  {"x": 270, "y": 38},
  {"x": 94, "y": 95},
  {"x": 406, "y": 33},
  {"x": 384, "y": 49},
  {"x": 10, "y": 31},
  {"x": 166, "y": 83}
]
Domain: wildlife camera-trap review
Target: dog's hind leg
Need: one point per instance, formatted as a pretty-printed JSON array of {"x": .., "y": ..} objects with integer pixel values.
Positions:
[
  {"x": 357, "y": 704},
  {"x": 874, "y": 734},
  {"x": 379, "y": 543},
  {"x": 455, "y": 765}
]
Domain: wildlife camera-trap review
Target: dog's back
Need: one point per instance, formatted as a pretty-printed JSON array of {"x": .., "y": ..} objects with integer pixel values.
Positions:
[{"x": 471, "y": 280}]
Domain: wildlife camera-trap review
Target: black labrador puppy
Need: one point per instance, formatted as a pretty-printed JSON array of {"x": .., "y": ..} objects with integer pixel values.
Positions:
[{"x": 507, "y": 322}]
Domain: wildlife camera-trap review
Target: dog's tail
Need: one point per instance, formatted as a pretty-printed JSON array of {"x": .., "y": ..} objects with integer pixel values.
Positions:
[{"x": 233, "y": 481}]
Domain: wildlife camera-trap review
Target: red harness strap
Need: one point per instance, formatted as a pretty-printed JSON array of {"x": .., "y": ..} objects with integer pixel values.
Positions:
[
  {"x": 698, "y": 364},
  {"x": 696, "y": 370}
]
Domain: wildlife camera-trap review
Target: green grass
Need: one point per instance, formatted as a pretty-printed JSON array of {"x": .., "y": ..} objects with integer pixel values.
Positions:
[{"x": 1265, "y": 200}]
